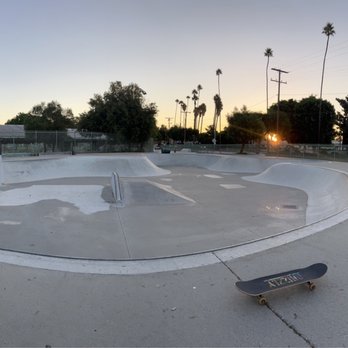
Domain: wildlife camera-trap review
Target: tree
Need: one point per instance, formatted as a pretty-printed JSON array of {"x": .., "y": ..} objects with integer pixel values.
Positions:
[
  {"x": 123, "y": 112},
  {"x": 305, "y": 121},
  {"x": 162, "y": 134},
  {"x": 217, "y": 113},
  {"x": 342, "y": 120},
  {"x": 176, "y": 133},
  {"x": 202, "y": 109},
  {"x": 218, "y": 73},
  {"x": 328, "y": 30},
  {"x": 183, "y": 110},
  {"x": 46, "y": 117},
  {"x": 195, "y": 111},
  {"x": 186, "y": 112},
  {"x": 205, "y": 137},
  {"x": 176, "y": 109},
  {"x": 286, "y": 113},
  {"x": 199, "y": 88},
  {"x": 268, "y": 53},
  {"x": 299, "y": 120},
  {"x": 245, "y": 127}
]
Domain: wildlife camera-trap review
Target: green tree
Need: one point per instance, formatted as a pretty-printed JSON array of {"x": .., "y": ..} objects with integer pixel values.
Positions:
[
  {"x": 287, "y": 109},
  {"x": 328, "y": 30},
  {"x": 46, "y": 117},
  {"x": 207, "y": 136},
  {"x": 121, "y": 111},
  {"x": 162, "y": 134},
  {"x": 176, "y": 133},
  {"x": 268, "y": 53},
  {"x": 245, "y": 127},
  {"x": 191, "y": 135},
  {"x": 305, "y": 121},
  {"x": 342, "y": 120}
]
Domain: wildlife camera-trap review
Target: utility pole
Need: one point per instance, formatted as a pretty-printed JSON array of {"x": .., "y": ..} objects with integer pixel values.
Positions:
[
  {"x": 279, "y": 82},
  {"x": 169, "y": 118}
]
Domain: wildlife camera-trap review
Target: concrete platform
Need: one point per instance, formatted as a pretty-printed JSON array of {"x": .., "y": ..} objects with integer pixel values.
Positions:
[
  {"x": 179, "y": 301},
  {"x": 71, "y": 212}
]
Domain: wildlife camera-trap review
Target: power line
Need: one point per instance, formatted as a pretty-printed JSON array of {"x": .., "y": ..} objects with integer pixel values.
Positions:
[{"x": 279, "y": 81}]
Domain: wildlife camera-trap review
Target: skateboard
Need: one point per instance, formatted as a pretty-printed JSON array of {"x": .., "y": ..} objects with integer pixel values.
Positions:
[{"x": 260, "y": 286}]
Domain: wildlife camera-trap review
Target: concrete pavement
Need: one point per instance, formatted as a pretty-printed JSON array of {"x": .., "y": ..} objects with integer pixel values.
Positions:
[
  {"x": 189, "y": 307},
  {"x": 176, "y": 211},
  {"x": 191, "y": 303}
]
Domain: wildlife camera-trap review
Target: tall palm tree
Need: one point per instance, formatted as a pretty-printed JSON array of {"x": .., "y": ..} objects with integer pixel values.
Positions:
[
  {"x": 195, "y": 111},
  {"x": 194, "y": 97},
  {"x": 202, "y": 111},
  {"x": 218, "y": 109},
  {"x": 328, "y": 30},
  {"x": 199, "y": 88},
  {"x": 176, "y": 109},
  {"x": 218, "y": 73},
  {"x": 182, "y": 109},
  {"x": 188, "y": 99},
  {"x": 268, "y": 53}
]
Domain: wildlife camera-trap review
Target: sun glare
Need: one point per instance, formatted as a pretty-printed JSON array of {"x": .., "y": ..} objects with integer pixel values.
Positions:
[{"x": 272, "y": 137}]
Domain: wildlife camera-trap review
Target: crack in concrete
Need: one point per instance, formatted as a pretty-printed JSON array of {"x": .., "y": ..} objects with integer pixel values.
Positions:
[
  {"x": 290, "y": 326},
  {"x": 123, "y": 233},
  {"x": 281, "y": 318}
]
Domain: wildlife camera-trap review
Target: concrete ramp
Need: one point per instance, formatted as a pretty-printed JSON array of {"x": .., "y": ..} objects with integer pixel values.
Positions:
[
  {"x": 241, "y": 164},
  {"x": 327, "y": 189},
  {"x": 147, "y": 193},
  {"x": 16, "y": 171},
  {"x": 221, "y": 163},
  {"x": 185, "y": 159},
  {"x": 1, "y": 171}
]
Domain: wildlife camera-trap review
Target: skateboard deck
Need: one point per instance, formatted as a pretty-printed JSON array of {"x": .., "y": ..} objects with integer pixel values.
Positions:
[{"x": 260, "y": 286}]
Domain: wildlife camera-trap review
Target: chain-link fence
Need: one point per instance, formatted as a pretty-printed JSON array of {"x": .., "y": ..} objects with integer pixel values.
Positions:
[
  {"x": 308, "y": 151},
  {"x": 35, "y": 143}
]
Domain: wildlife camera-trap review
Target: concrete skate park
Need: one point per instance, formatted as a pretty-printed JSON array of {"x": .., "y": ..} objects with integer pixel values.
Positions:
[{"x": 144, "y": 249}]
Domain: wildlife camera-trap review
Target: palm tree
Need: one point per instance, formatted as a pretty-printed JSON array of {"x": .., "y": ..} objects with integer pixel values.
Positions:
[
  {"x": 182, "y": 110},
  {"x": 218, "y": 109},
  {"x": 328, "y": 30},
  {"x": 268, "y": 53},
  {"x": 194, "y": 97},
  {"x": 218, "y": 73},
  {"x": 195, "y": 111},
  {"x": 199, "y": 88},
  {"x": 188, "y": 99},
  {"x": 202, "y": 111},
  {"x": 176, "y": 109}
]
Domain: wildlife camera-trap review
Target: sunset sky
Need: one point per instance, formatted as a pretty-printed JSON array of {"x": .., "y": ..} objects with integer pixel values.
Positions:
[{"x": 69, "y": 50}]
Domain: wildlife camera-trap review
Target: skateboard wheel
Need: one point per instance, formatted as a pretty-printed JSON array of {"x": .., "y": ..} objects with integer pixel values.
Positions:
[
  {"x": 262, "y": 300},
  {"x": 311, "y": 286}
]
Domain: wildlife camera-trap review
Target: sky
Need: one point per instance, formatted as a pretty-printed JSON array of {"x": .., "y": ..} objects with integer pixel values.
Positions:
[{"x": 69, "y": 50}]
